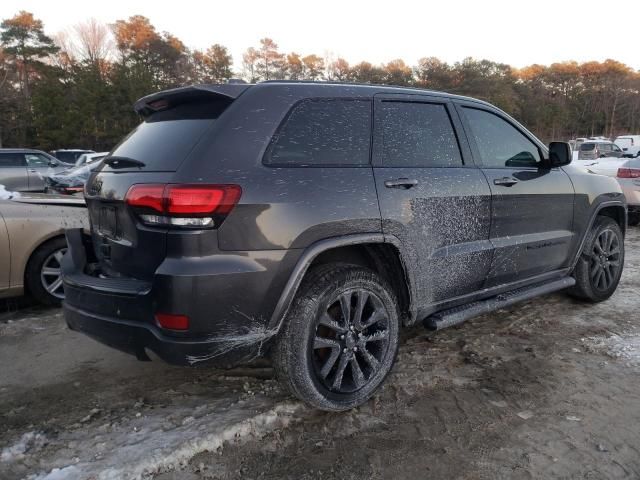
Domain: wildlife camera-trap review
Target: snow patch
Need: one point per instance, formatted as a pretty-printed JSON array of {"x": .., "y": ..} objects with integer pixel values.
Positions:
[
  {"x": 66, "y": 473},
  {"x": 29, "y": 442},
  {"x": 148, "y": 449},
  {"x": 623, "y": 347},
  {"x": 6, "y": 194}
]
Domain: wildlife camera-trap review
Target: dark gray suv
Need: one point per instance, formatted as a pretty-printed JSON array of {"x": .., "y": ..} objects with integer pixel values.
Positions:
[{"x": 311, "y": 221}]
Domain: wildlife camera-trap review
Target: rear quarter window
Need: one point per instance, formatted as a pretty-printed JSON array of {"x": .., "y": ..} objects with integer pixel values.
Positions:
[
  {"x": 8, "y": 160},
  {"x": 323, "y": 132}
]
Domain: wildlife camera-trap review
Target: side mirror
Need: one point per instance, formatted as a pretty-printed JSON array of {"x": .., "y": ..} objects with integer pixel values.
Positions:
[
  {"x": 53, "y": 163},
  {"x": 559, "y": 154}
]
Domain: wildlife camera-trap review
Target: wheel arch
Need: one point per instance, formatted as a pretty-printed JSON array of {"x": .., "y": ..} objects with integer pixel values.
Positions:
[
  {"x": 613, "y": 209},
  {"x": 381, "y": 253}
]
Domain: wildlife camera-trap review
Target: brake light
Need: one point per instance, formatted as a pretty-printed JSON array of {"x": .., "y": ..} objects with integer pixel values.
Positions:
[
  {"x": 172, "y": 322},
  {"x": 146, "y": 196},
  {"x": 218, "y": 199},
  {"x": 182, "y": 205},
  {"x": 628, "y": 173}
]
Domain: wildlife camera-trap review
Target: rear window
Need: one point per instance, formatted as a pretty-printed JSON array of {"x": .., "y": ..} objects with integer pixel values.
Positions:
[
  {"x": 166, "y": 137},
  {"x": 585, "y": 147},
  {"x": 417, "y": 135},
  {"x": 332, "y": 132}
]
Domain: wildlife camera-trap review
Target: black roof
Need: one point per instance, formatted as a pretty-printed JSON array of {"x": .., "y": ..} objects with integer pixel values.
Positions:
[{"x": 234, "y": 90}]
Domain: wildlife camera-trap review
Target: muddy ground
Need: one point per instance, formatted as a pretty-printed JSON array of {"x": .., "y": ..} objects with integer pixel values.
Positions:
[{"x": 548, "y": 389}]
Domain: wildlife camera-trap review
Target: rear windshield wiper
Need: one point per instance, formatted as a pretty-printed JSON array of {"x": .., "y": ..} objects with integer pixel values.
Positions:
[{"x": 122, "y": 162}]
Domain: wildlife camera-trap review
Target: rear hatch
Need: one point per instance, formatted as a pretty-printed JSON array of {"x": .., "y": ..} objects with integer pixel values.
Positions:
[
  {"x": 588, "y": 151},
  {"x": 130, "y": 236}
]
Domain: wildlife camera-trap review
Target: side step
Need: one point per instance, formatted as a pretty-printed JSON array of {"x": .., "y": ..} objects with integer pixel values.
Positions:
[{"x": 456, "y": 315}]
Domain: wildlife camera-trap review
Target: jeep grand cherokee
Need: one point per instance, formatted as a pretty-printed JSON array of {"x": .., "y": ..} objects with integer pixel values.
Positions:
[{"x": 311, "y": 221}]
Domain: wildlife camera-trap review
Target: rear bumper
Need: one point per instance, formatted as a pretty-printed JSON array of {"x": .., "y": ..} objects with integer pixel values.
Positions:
[
  {"x": 224, "y": 328},
  {"x": 137, "y": 338}
]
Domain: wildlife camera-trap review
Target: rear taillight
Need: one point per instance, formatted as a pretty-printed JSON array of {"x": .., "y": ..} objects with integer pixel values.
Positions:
[
  {"x": 183, "y": 205},
  {"x": 628, "y": 173}
]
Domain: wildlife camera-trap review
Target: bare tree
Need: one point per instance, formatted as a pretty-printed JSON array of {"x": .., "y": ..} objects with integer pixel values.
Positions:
[{"x": 93, "y": 41}]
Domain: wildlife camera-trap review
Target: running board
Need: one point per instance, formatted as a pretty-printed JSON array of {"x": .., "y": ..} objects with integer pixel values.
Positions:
[{"x": 457, "y": 315}]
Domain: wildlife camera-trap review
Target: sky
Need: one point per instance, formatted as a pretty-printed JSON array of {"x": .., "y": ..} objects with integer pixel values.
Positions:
[{"x": 515, "y": 32}]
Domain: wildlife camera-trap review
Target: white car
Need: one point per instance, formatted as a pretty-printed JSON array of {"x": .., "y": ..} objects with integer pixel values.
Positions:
[
  {"x": 628, "y": 177},
  {"x": 626, "y": 171},
  {"x": 630, "y": 145}
]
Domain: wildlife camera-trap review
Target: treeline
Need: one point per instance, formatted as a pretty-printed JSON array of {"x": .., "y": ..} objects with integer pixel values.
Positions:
[{"x": 76, "y": 89}]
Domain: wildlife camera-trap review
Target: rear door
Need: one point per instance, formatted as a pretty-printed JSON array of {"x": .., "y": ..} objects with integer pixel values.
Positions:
[
  {"x": 431, "y": 196},
  {"x": 532, "y": 206},
  {"x": 13, "y": 171}
]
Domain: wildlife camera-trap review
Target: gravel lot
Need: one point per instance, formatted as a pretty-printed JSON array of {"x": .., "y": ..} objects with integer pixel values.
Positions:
[{"x": 548, "y": 389}]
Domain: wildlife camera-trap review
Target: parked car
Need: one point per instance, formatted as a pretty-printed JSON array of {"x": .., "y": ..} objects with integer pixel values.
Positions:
[
  {"x": 23, "y": 170},
  {"x": 72, "y": 180},
  {"x": 630, "y": 145},
  {"x": 69, "y": 155},
  {"x": 628, "y": 176},
  {"x": 32, "y": 243},
  {"x": 626, "y": 172},
  {"x": 595, "y": 149},
  {"x": 312, "y": 221}
]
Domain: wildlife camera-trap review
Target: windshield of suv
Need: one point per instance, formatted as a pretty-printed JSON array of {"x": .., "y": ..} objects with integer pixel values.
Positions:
[{"x": 166, "y": 137}]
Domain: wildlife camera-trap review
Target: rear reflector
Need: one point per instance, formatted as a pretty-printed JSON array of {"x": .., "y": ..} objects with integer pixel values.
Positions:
[
  {"x": 172, "y": 322},
  {"x": 628, "y": 173}
]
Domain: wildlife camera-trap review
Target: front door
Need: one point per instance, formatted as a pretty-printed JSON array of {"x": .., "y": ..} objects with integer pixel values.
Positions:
[
  {"x": 532, "y": 206},
  {"x": 431, "y": 196},
  {"x": 37, "y": 167}
]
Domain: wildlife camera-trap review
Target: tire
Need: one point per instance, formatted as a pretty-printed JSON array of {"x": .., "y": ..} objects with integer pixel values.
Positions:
[
  {"x": 316, "y": 343},
  {"x": 36, "y": 279},
  {"x": 634, "y": 219},
  {"x": 600, "y": 265}
]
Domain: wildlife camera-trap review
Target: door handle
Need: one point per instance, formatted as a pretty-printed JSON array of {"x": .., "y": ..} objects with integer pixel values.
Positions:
[
  {"x": 404, "y": 183},
  {"x": 505, "y": 181},
  {"x": 33, "y": 170}
]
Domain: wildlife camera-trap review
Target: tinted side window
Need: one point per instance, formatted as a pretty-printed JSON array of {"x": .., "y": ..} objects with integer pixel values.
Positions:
[
  {"x": 417, "y": 135},
  {"x": 324, "y": 132},
  {"x": 499, "y": 143},
  {"x": 11, "y": 160}
]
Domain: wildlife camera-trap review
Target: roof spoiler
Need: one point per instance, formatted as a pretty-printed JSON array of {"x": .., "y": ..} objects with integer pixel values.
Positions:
[{"x": 159, "y": 101}]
